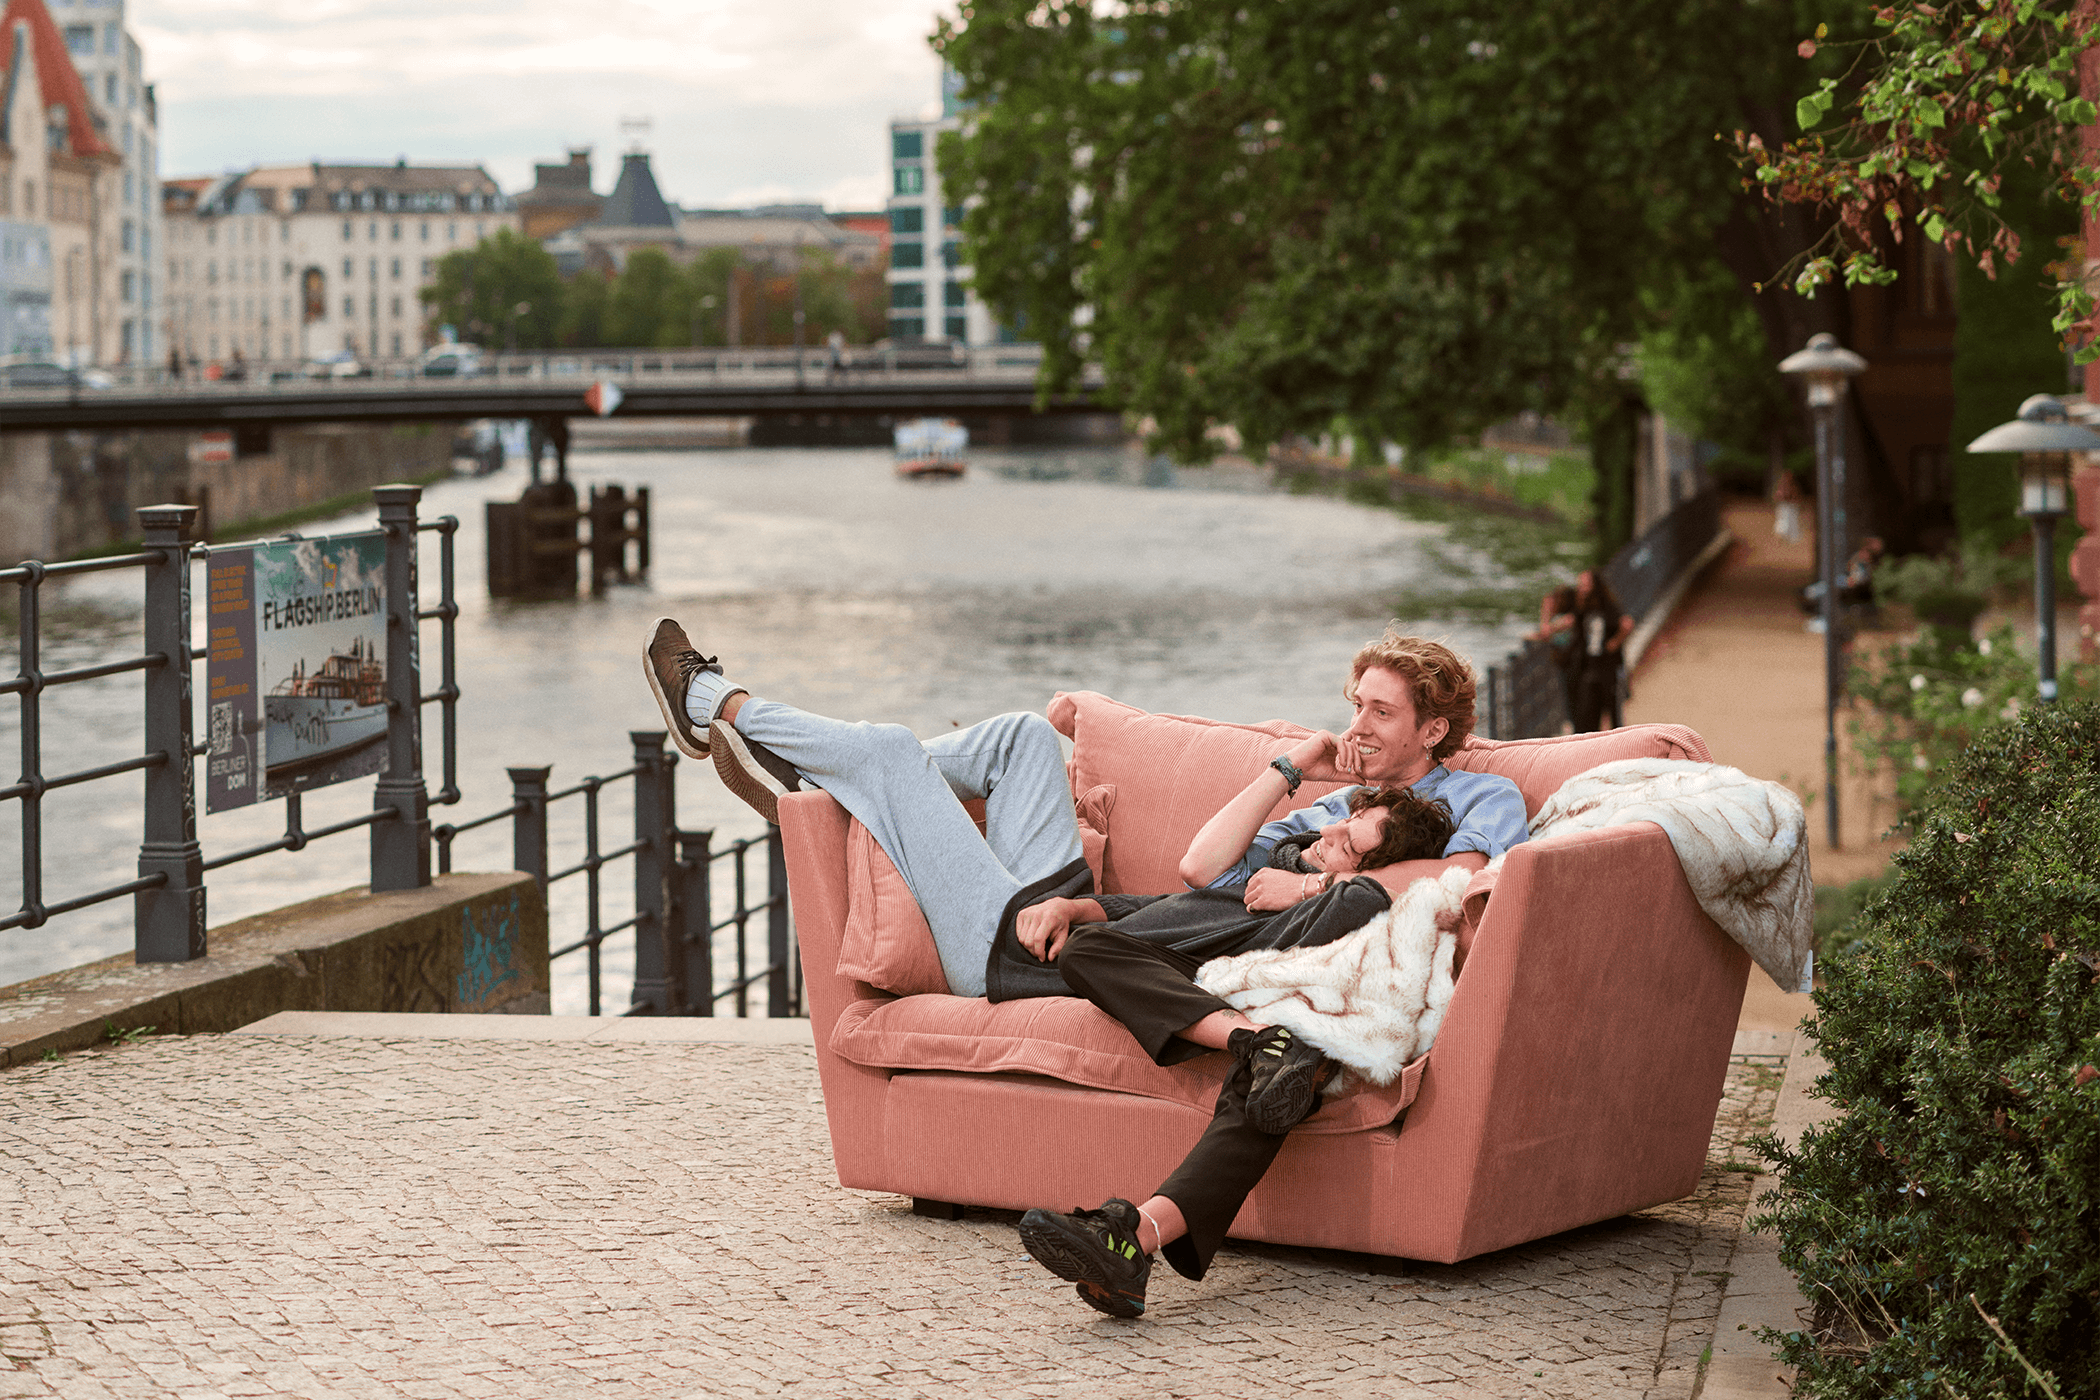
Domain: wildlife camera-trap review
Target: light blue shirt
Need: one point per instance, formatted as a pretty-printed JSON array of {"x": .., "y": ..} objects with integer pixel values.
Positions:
[{"x": 1487, "y": 808}]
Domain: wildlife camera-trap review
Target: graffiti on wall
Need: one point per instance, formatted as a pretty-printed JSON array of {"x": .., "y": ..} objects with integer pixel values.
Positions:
[{"x": 488, "y": 955}]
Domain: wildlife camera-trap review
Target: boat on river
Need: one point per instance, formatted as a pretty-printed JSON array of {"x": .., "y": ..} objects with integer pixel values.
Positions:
[
  {"x": 317, "y": 716},
  {"x": 932, "y": 447}
]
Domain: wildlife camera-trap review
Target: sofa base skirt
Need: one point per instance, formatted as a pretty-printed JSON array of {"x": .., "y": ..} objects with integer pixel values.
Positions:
[{"x": 1013, "y": 1142}]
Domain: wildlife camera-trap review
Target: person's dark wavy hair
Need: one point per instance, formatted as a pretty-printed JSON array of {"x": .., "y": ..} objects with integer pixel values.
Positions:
[{"x": 1417, "y": 827}]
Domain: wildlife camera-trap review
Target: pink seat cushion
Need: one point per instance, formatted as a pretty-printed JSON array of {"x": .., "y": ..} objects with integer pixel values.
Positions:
[{"x": 1072, "y": 1040}]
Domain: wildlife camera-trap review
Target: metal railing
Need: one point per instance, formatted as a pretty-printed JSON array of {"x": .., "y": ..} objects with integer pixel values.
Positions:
[
  {"x": 1525, "y": 696},
  {"x": 169, "y": 918},
  {"x": 781, "y": 362},
  {"x": 675, "y": 891}
]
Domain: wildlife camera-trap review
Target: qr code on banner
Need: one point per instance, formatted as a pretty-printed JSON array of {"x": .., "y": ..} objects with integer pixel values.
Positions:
[{"x": 222, "y": 727}]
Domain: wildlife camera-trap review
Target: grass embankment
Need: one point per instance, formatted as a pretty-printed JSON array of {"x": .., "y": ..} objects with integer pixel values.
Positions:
[{"x": 1490, "y": 563}]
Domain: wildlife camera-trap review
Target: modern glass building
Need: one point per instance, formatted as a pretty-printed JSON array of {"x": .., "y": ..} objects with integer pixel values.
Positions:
[{"x": 930, "y": 296}]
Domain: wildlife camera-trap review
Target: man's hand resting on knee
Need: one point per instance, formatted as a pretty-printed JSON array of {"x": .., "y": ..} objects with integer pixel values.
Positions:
[{"x": 1043, "y": 928}]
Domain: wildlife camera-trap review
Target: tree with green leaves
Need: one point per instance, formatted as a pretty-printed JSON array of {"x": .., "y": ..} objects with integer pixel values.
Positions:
[
  {"x": 639, "y": 306},
  {"x": 505, "y": 286},
  {"x": 1417, "y": 220},
  {"x": 1955, "y": 123},
  {"x": 1936, "y": 105}
]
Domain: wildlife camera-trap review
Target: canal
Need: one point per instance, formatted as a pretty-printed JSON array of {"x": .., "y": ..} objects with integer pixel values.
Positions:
[{"x": 820, "y": 579}]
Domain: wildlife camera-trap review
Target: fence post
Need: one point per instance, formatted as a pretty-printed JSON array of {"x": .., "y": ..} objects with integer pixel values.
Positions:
[
  {"x": 401, "y": 847},
  {"x": 696, "y": 899},
  {"x": 528, "y": 828},
  {"x": 659, "y": 964},
  {"x": 1493, "y": 712},
  {"x": 777, "y": 950},
  {"x": 168, "y": 922}
]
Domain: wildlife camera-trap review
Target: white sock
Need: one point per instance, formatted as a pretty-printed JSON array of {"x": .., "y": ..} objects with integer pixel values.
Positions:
[{"x": 704, "y": 695}]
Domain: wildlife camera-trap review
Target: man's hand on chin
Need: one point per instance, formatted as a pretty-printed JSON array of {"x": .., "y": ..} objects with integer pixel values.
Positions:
[{"x": 1329, "y": 758}]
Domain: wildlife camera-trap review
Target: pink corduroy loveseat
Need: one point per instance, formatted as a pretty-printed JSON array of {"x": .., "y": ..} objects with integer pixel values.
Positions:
[{"x": 1575, "y": 1077}]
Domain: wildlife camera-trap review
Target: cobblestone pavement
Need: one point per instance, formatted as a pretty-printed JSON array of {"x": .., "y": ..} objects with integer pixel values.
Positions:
[{"x": 276, "y": 1216}]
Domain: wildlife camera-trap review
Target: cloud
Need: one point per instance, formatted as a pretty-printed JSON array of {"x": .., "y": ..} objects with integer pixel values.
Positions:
[{"x": 790, "y": 95}]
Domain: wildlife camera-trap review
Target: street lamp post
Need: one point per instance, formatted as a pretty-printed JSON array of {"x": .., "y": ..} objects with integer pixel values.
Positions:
[
  {"x": 1826, "y": 367},
  {"x": 2045, "y": 437}
]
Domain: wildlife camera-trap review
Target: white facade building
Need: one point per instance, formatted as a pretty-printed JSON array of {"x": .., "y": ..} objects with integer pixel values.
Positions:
[
  {"x": 293, "y": 262},
  {"x": 930, "y": 295},
  {"x": 127, "y": 221}
]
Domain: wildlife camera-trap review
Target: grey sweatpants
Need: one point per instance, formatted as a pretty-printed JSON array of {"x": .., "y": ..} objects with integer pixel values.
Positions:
[{"x": 908, "y": 795}]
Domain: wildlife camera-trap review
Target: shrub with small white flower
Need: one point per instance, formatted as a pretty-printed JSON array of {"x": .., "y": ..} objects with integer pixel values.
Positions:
[{"x": 1924, "y": 701}]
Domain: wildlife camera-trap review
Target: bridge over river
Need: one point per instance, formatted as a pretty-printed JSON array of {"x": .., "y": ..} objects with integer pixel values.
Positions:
[{"x": 992, "y": 381}]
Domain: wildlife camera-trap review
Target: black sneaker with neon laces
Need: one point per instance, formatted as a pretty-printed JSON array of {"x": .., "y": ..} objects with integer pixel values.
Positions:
[
  {"x": 670, "y": 663},
  {"x": 1096, "y": 1249},
  {"x": 1287, "y": 1077},
  {"x": 752, "y": 771}
]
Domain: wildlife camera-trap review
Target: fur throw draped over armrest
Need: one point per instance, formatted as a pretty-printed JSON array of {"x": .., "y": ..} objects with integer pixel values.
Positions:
[
  {"x": 1743, "y": 843},
  {"x": 1374, "y": 998}
]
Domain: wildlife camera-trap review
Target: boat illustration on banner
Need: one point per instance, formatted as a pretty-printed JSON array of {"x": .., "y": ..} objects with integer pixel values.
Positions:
[{"x": 311, "y": 717}]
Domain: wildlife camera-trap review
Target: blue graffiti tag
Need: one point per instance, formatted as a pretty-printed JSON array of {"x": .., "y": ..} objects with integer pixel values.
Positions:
[{"x": 488, "y": 954}]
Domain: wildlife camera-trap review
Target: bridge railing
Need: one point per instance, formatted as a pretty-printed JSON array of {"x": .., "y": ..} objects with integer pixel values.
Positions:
[
  {"x": 858, "y": 363},
  {"x": 169, "y": 893}
]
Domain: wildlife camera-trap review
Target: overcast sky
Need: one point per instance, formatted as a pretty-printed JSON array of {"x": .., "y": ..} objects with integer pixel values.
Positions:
[{"x": 749, "y": 100}]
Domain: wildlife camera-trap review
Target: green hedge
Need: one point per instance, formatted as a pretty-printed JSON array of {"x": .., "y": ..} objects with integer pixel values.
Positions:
[{"x": 1962, "y": 1177}]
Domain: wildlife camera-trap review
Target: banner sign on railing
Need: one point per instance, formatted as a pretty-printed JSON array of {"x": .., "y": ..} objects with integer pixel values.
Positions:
[{"x": 296, "y": 679}]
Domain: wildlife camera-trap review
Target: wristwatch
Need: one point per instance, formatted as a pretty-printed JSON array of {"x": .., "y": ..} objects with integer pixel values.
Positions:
[{"x": 1292, "y": 774}]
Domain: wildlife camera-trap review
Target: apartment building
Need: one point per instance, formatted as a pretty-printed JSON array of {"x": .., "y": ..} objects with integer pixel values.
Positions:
[{"x": 292, "y": 262}]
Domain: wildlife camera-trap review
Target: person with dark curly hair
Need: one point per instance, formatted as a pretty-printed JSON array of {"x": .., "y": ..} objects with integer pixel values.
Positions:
[{"x": 1141, "y": 969}]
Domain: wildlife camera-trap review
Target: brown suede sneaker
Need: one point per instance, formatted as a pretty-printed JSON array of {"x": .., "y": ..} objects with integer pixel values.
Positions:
[{"x": 670, "y": 663}]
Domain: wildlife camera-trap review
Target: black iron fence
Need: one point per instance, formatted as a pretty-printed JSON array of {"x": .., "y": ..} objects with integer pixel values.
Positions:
[
  {"x": 1525, "y": 696},
  {"x": 169, "y": 893},
  {"x": 683, "y": 917}
]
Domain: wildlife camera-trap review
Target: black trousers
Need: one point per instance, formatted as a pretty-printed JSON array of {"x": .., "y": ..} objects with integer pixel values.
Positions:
[
  {"x": 1594, "y": 697},
  {"x": 1153, "y": 991}
]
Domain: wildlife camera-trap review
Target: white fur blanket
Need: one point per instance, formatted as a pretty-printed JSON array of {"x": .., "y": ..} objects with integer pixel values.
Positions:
[{"x": 1374, "y": 999}]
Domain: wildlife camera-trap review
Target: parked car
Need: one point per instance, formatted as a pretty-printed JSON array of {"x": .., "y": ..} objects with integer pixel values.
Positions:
[
  {"x": 46, "y": 374},
  {"x": 341, "y": 364},
  {"x": 450, "y": 361}
]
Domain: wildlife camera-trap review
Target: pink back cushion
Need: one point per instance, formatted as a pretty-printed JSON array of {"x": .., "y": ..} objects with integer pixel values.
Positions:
[
  {"x": 1171, "y": 774},
  {"x": 886, "y": 942}
]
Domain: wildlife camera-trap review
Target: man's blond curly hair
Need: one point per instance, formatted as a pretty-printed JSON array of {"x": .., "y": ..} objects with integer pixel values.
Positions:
[{"x": 1439, "y": 678}]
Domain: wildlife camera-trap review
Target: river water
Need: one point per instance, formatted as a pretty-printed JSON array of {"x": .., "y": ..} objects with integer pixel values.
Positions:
[{"x": 820, "y": 579}]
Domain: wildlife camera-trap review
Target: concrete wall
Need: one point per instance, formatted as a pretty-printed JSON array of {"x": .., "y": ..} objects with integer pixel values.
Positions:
[
  {"x": 467, "y": 943},
  {"x": 62, "y": 494}
]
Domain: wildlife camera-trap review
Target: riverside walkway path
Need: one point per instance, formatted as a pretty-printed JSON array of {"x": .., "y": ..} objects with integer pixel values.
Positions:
[{"x": 369, "y": 1205}]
